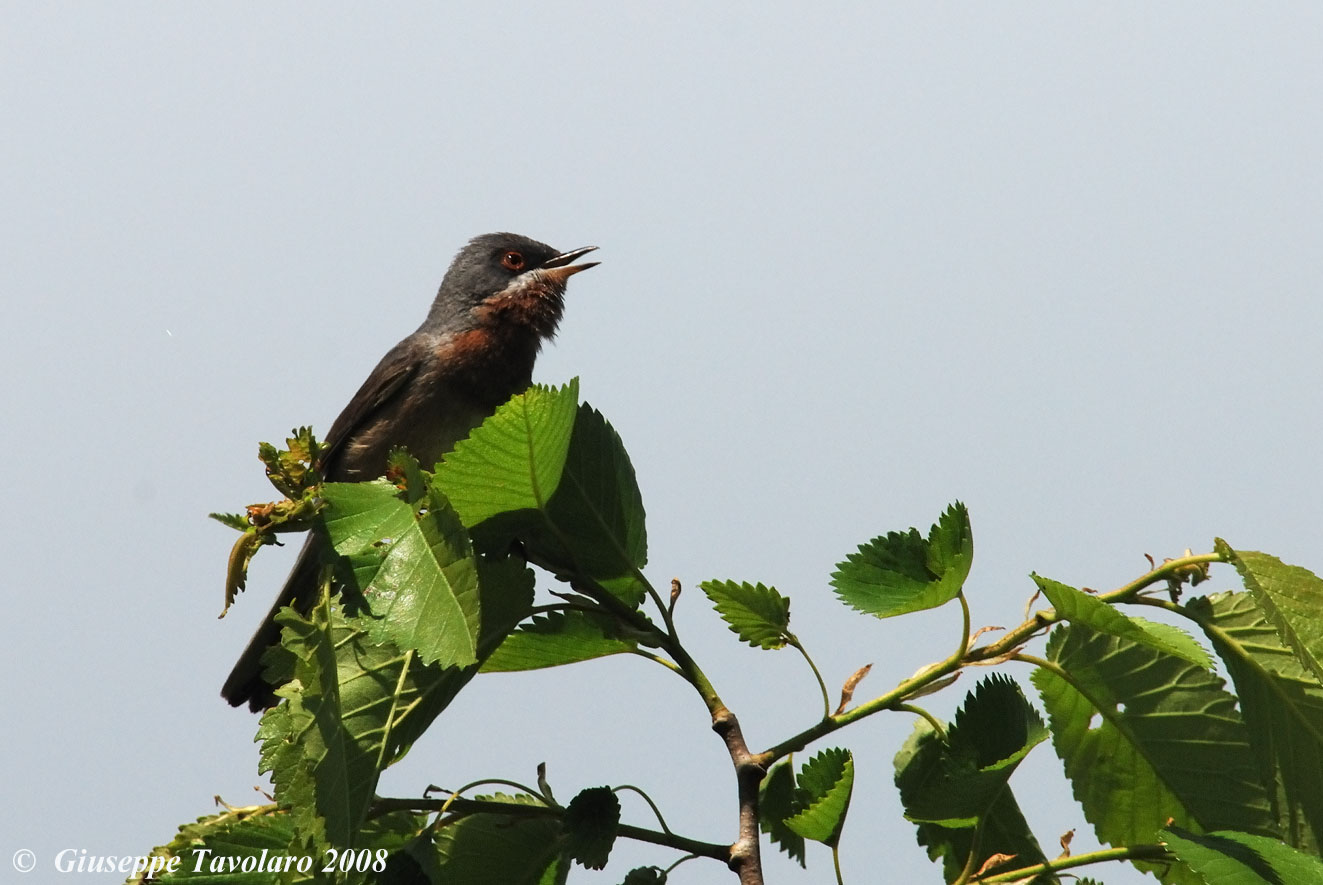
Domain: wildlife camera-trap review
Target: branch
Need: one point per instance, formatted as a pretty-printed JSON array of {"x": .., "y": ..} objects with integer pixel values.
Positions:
[
  {"x": 1047, "y": 617},
  {"x": 463, "y": 807},
  {"x": 892, "y": 700},
  {"x": 1155, "y": 853},
  {"x": 743, "y": 856}
]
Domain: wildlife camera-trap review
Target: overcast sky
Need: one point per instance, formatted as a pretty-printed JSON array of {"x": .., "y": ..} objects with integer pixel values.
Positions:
[{"x": 1061, "y": 262}]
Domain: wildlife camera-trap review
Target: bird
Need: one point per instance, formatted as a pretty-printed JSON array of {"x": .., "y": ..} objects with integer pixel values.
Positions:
[{"x": 500, "y": 300}]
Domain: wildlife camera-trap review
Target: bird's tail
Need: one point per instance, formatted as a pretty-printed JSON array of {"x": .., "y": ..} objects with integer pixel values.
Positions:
[{"x": 247, "y": 683}]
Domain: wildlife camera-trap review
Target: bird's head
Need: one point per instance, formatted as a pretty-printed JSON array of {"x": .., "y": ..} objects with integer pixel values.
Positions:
[{"x": 504, "y": 279}]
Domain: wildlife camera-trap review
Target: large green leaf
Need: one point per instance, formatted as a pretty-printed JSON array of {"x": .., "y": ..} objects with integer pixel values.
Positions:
[
  {"x": 215, "y": 853},
  {"x": 595, "y": 521},
  {"x": 413, "y": 567},
  {"x": 557, "y": 638},
  {"x": 216, "y": 850},
  {"x": 1168, "y": 744},
  {"x": 482, "y": 849},
  {"x": 1076, "y": 605},
  {"x": 924, "y": 767},
  {"x": 1282, "y": 703},
  {"x": 758, "y": 615},
  {"x": 1290, "y": 596},
  {"x": 1231, "y": 858},
  {"x": 515, "y": 459},
  {"x": 356, "y": 705},
  {"x": 554, "y": 476},
  {"x": 902, "y": 572},
  {"x": 993, "y": 731},
  {"x": 822, "y": 796}
]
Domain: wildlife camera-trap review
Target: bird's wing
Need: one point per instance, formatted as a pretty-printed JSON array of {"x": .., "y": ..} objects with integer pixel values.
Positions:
[{"x": 384, "y": 383}]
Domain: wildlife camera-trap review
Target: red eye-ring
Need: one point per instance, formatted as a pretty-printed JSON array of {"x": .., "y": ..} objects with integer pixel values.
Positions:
[{"x": 512, "y": 261}]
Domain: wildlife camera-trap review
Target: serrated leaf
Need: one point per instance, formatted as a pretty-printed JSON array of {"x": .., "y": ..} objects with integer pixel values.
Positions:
[
  {"x": 555, "y": 477},
  {"x": 776, "y": 802},
  {"x": 406, "y": 474},
  {"x": 591, "y": 821},
  {"x": 758, "y": 615},
  {"x": 1168, "y": 744},
  {"x": 925, "y": 759},
  {"x": 1282, "y": 705},
  {"x": 365, "y": 518},
  {"x": 1076, "y": 605},
  {"x": 996, "y": 726},
  {"x": 410, "y": 564},
  {"x": 822, "y": 796},
  {"x": 355, "y": 706},
  {"x": 233, "y": 520},
  {"x": 515, "y": 459},
  {"x": 902, "y": 572},
  {"x": 1290, "y": 596},
  {"x": 481, "y": 849},
  {"x": 597, "y": 512},
  {"x": 557, "y": 638},
  {"x": 422, "y": 594},
  {"x": 1232, "y": 858},
  {"x": 215, "y": 854},
  {"x": 994, "y": 730},
  {"x": 218, "y": 851},
  {"x": 645, "y": 876}
]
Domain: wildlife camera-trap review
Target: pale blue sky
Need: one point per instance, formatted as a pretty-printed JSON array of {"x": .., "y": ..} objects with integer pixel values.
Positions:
[{"x": 858, "y": 260}]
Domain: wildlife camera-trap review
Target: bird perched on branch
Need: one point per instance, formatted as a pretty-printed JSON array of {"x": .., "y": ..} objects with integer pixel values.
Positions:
[{"x": 501, "y": 298}]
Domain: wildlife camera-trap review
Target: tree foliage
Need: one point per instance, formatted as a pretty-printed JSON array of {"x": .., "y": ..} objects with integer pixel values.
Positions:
[{"x": 1189, "y": 778}]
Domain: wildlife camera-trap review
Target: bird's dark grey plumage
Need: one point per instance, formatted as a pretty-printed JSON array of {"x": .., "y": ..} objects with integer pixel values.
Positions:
[{"x": 501, "y": 298}]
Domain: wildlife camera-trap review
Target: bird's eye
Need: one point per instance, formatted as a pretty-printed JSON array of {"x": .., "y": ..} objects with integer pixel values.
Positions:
[{"x": 512, "y": 261}]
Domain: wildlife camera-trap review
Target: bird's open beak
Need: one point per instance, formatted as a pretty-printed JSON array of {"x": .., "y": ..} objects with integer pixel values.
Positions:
[{"x": 560, "y": 269}]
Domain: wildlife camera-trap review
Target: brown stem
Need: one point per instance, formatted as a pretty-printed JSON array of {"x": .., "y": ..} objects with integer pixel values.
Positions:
[{"x": 745, "y": 857}]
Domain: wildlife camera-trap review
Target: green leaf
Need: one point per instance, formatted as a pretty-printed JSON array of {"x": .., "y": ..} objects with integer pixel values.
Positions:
[
  {"x": 776, "y": 802},
  {"x": 481, "y": 849},
  {"x": 758, "y": 615},
  {"x": 1078, "y": 606},
  {"x": 1232, "y": 858},
  {"x": 290, "y": 470},
  {"x": 902, "y": 572},
  {"x": 355, "y": 706},
  {"x": 215, "y": 853},
  {"x": 563, "y": 637},
  {"x": 956, "y": 783},
  {"x": 996, "y": 727},
  {"x": 215, "y": 849},
  {"x": 1290, "y": 596},
  {"x": 1282, "y": 704},
  {"x": 822, "y": 796},
  {"x": 949, "y": 787},
  {"x": 423, "y": 591},
  {"x": 923, "y": 758},
  {"x": 645, "y": 876},
  {"x": 363, "y": 519},
  {"x": 557, "y": 480},
  {"x": 1168, "y": 744},
  {"x": 597, "y": 516},
  {"x": 515, "y": 459},
  {"x": 591, "y": 821},
  {"x": 233, "y": 520}
]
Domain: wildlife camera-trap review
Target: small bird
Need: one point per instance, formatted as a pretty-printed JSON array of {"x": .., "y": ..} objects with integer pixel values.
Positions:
[{"x": 501, "y": 298}]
